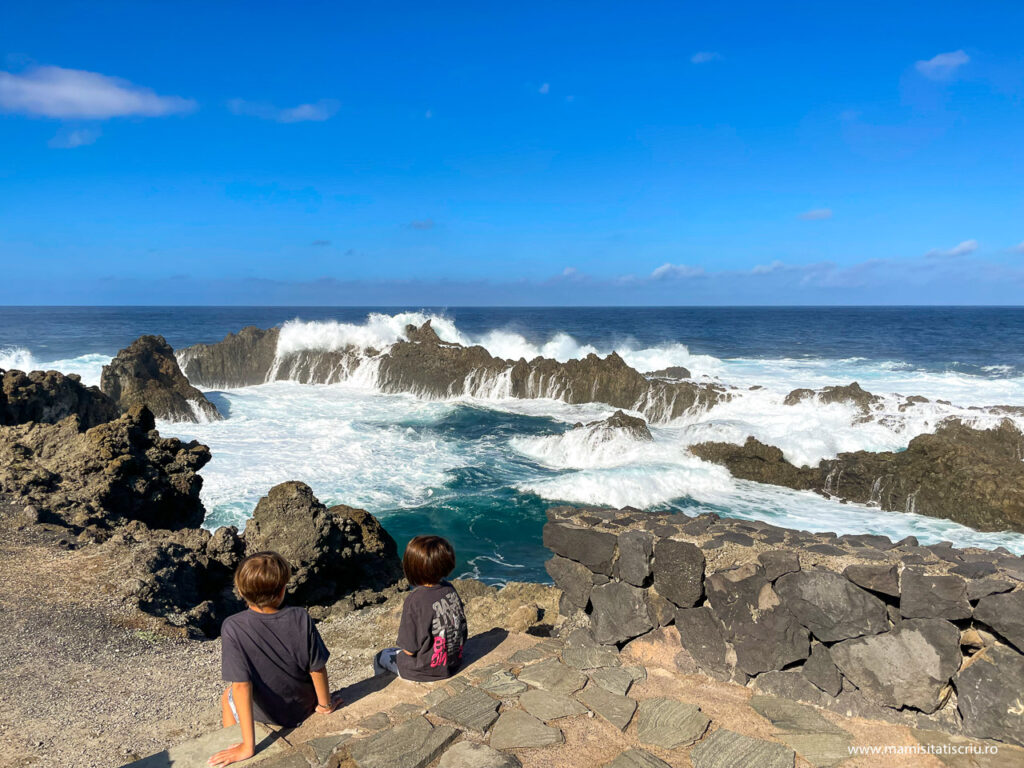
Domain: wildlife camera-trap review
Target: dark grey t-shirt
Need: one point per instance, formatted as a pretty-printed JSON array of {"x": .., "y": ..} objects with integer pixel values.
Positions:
[
  {"x": 275, "y": 652},
  {"x": 433, "y": 628}
]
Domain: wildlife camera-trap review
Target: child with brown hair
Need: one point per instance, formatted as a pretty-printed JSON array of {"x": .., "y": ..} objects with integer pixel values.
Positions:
[
  {"x": 433, "y": 627},
  {"x": 273, "y": 656}
]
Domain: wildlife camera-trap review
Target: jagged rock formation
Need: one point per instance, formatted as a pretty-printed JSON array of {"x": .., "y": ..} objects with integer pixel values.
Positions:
[
  {"x": 618, "y": 423},
  {"x": 239, "y": 360},
  {"x": 334, "y": 551},
  {"x": 672, "y": 372},
  {"x": 972, "y": 476},
  {"x": 147, "y": 373},
  {"x": 851, "y": 393},
  {"x": 857, "y": 624},
  {"x": 425, "y": 366},
  {"x": 115, "y": 472},
  {"x": 48, "y": 397}
]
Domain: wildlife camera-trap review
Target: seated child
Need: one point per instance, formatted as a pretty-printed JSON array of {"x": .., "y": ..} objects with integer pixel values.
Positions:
[
  {"x": 273, "y": 657},
  {"x": 433, "y": 627}
]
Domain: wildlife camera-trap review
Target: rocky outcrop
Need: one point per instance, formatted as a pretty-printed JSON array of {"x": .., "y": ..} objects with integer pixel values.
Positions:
[
  {"x": 147, "y": 373},
  {"x": 972, "y": 476},
  {"x": 675, "y": 372},
  {"x": 852, "y": 394},
  {"x": 617, "y": 424},
  {"x": 334, "y": 552},
  {"x": 115, "y": 472},
  {"x": 342, "y": 559},
  {"x": 239, "y": 360},
  {"x": 424, "y": 365},
  {"x": 858, "y": 624},
  {"x": 47, "y": 397}
]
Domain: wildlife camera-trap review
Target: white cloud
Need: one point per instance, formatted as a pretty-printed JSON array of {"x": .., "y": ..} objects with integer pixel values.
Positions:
[
  {"x": 676, "y": 271},
  {"x": 961, "y": 249},
  {"x": 1018, "y": 248},
  {"x": 79, "y": 137},
  {"x": 316, "y": 112},
  {"x": 943, "y": 66},
  {"x": 75, "y": 93},
  {"x": 545, "y": 88},
  {"x": 428, "y": 114},
  {"x": 570, "y": 272},
  {"x": 703, "y": 57},
  {"x": 816, "y": 214}
]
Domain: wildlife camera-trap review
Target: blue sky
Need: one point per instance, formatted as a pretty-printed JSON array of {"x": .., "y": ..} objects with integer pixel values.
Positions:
[{"x": 557, "y": 153}]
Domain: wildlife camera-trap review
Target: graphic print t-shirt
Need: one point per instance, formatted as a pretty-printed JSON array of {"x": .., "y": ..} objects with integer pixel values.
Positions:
[{"x": 433, "y": 628}]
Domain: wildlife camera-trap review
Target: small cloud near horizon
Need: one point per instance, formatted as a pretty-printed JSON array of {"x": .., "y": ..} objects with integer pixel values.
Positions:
[
  {"x": 1018, "y": 248},
  {"x": 703, "y": 57},
  {"x": 679, "y": 271},
  {"x": 965, "y": 248},
  {"x": 942, "y": 66},
  {"x": 816, "y": 214},
  {"x": 317, "y": 112},
  {"x": 544, "y": 88},
  {"x": 77, "y": 94},
  {"x": 321, "y": 243},
  {"x": 421, "y": 224},
  {"x": 69, "y": 139}
]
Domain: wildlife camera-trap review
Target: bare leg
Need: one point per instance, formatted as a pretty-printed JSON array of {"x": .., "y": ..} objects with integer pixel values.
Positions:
[{"x": 227, "y": 717}]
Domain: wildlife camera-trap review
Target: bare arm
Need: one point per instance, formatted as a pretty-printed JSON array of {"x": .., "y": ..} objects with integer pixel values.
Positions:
[
  {"x": 325, "y": 702},
  {"x": 242, "y": 695}
]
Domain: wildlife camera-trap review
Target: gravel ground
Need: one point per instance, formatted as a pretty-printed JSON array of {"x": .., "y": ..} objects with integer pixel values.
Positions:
[{"x": 87, "y": 681}]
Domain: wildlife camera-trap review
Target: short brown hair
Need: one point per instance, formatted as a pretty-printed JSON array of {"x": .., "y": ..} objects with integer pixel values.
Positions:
[
  {"x": 260, "y": 578},
  {"x": 427, "y": 560}
]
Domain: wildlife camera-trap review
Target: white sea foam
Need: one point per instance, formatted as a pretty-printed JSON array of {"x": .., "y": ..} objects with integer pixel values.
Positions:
[
  {"x": 89, "y": 367},
  {"x": 344, "y": 439}
]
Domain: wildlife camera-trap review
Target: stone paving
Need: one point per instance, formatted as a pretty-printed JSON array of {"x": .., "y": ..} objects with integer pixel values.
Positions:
[{"x": 531, "y": 709}]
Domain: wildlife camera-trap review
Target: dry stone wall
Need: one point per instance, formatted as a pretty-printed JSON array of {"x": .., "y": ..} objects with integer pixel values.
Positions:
[{"x": 930, "y": 635}]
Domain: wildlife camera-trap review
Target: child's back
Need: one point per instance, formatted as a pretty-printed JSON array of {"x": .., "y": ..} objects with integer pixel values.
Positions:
[
  {"x": 433, "y": 629},
  {"x": 275, "y": 652}
]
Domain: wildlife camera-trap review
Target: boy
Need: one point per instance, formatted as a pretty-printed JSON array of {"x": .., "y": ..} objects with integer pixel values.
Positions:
[
  {"x": 273, "y": 657},
  {"x": 433, "y": 626}
]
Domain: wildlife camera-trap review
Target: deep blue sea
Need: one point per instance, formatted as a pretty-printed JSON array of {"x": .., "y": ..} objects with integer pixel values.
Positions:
[{"x": 483, "y": 470}]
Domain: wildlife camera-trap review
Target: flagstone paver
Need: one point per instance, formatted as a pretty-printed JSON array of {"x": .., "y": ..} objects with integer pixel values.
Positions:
[
  {"x": 516, "y": 729},
  {"x": 545, "y": 705},
  {"x": 728, "y": 749},
  {"x": 413, "y": 744},
  {"x": 617, "y": 710},
  {"x": 669, "y": 723},
  {"x": 472, "y": 709},
  {"x": 552, "y": 675}
]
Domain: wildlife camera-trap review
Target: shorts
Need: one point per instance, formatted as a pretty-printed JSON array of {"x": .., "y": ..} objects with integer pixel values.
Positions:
[{"x": 386, "y": 661}]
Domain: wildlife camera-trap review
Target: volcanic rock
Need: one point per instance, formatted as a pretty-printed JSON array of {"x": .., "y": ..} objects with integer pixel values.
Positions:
[
  {"x": 147, "y": 373},
  {"x": 425, "y": 366},
  {"x": 926, "y": 596},
  {"x": 851, "y": 393},
  {"x": 47, "y": 397},
  {"x": 1005, "y": 614},
  {"x": 118, "y": 471},
  {"x": 333, "y": 551},
  {"x": 764, "y": 633},
  {"x": 972, "y": 476},
  {"x": 676, "y": 372},
  {"x": 240, "y": 360},
  {"x": 989, "y": 695},
  {"x": 594, "y": 549},
  {"x": 910, "y": 666},
  {"x": 830, "y": 606},
  {"x": 678, "y": 572},
  {"x": 620, "y": 612},
  {"x": 619, "y": 423},
  {"x": 635, "y": 551}
]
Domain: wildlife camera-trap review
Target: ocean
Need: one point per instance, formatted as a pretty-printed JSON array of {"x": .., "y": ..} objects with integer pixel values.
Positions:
[{"x": 482, "y": 471}]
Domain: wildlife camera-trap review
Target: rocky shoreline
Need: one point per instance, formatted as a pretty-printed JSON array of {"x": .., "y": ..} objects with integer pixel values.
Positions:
[{"x": 100, "y": 528}]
